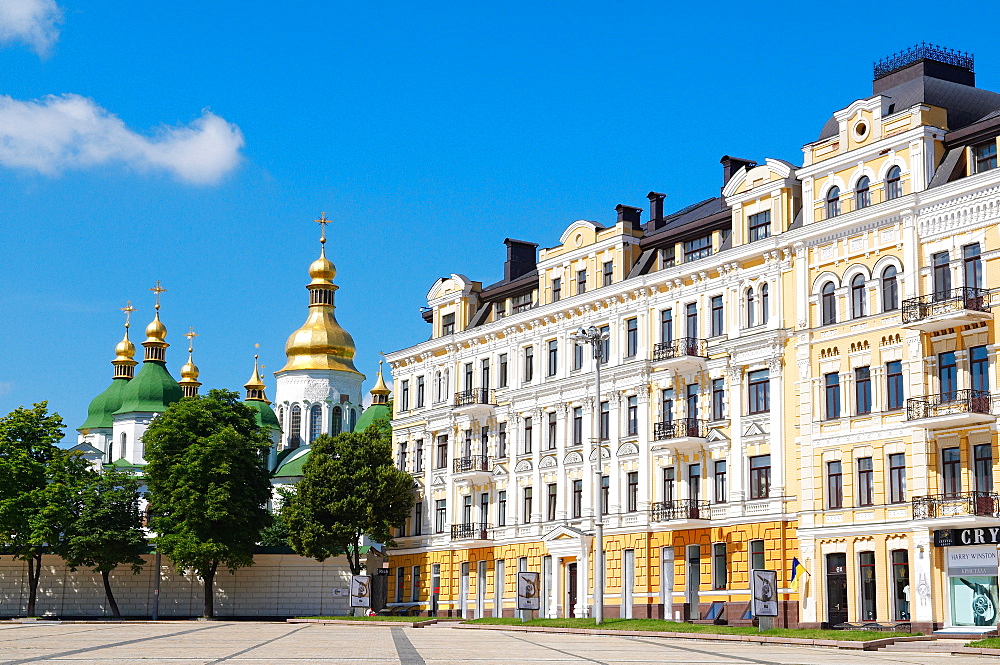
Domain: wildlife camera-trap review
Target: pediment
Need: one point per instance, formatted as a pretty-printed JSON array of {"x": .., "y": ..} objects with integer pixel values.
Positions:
[
  {"x": 715, "y": 434},
  {"x": 753, "y": 429},
  {"x": 548, "y": 462},
  {"x": 499, "y": 470},
  {"x": 563, "y": 532},
  {"x": 605, "y": 453}
]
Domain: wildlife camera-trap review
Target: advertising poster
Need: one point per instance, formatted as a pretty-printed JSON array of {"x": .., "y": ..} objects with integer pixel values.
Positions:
[
  {"x": 361, "y": 591},
  {"x": 528, "y": 592},
  {"x": 764, "y": 589}
]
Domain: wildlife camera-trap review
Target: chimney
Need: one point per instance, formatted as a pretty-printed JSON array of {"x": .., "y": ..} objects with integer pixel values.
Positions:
[
  {"x": 629, "y": 215},
  {"x": 520, "y": 258},
  {"x": 732, "y": 165},
  {"x": 655, "y": 210}
]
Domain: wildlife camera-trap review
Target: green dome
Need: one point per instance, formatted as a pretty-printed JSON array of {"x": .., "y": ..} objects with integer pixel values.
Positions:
[
  {"x": 265, "y": 414},
  {"x": 151, "y": 391},
  {"x": 371, "y": 414},
  {"x": 291, "y": 465},
  {"x": 100, "y": 409}
]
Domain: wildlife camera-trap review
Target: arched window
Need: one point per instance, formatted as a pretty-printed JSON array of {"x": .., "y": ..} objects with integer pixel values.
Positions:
[
  {"x": 281, "y": 415},
  {"x": 862, "y": 193},
  {"x": 295, "y": 427},
  {"x": 124, "y": 439},
  {"x": 763, "y": 304},
  {"x": 893, "y": 184},
  {"x": 890, "y": 289},
  {"x": 858, "y": 296},
  {"x": 338, "y": 420},
  {"x": 751, "y": 317},
  {"x": 828, "y": 304},
  {"x": 352, "y": 419},
  {"x": 315, "y": 422},
  {"x": 833, "y": 202}
]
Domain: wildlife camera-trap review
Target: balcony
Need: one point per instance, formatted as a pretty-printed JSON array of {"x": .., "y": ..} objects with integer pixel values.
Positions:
[
  {"x": 947, "y": 309},
  {"x": 969, "y": 504},
  {"x": 953, "y": 409},
  {"x": 683, "y": 355},
  {"x": 472, "y": 466},
  {"x": 680, "y": 435},
  {"x": 680, "y": 510},
  {"x": 470, "y": 531},
  {"x": 475, "y": 401}
]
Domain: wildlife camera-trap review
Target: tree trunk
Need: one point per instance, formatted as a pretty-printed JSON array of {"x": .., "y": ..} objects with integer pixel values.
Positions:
[
  {"x": 34, "y": 572},
  {"x": 354, "y": 562},
  {"x": 209, "y": 579},
  {"x": 105, "y": 575}
]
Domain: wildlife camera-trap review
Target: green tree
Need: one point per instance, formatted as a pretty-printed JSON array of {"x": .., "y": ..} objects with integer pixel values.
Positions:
[
  {"x": 208, "y": 484},
  {"x": 107, "y": 531},
  {"x": 39, "y": 486},
  {"x": 349, "y": 488}
]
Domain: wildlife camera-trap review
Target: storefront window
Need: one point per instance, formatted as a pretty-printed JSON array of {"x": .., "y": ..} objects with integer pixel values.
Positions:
[
  {"x": 973, "y": 600},
  {"x": 866, "y": 571},
  {"x": 901, "y": 584}
]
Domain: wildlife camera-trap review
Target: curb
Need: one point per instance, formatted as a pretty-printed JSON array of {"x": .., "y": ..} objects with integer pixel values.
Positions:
[{"x": 403, "y": 624}]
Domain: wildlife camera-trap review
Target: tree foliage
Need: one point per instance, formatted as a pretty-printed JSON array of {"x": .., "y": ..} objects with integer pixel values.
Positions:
[
  {"x": 349, "y": 488},
  {"x": 107, "y": 531},
  {"x": 208, "y": 484},
  {"x": 39, "y": 487}
]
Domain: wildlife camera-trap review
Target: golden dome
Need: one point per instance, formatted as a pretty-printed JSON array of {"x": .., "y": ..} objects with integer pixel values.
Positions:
[
  {"x": 320, "y": 343},
  {"x": 156, "y": 331},
  {"x": 380, "y": 388},
  {"x": 189, "y": 370},
  {"x": 255, "y": 382},
  {"x": 125, "y": 349},
  {"x": 322, "y": 269}
]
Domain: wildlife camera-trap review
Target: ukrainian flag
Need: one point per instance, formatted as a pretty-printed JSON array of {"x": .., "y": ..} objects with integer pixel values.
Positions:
[{"x": 798, "y": 570}]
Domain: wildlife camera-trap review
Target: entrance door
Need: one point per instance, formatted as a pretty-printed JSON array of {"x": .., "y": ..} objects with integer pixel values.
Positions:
[
  {"x": 693, "y": 580},
  {"x": 836, "y": 588},
  {"x": 571, "y": 590}
]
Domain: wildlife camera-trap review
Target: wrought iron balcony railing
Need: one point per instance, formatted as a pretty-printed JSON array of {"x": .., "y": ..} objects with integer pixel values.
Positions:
[
  {"x": 681, "y": 347},
  {"x": 950, "y": 403},
  {"x": 471, "y": 530},
  {"x": 680, "y": 427},
  {"x": 981, "y": 504},
  {"x": 679, "y": 509},
  {"x": 471, "y": 463},
  {"x": 475, "y": 396},
  {"x": 946, "y": 302}
]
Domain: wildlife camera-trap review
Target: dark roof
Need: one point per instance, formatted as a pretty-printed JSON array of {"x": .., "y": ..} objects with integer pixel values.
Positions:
[{"x": 701, "y": 216}]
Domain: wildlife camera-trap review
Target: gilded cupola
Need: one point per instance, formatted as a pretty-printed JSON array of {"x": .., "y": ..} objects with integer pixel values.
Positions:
[
  {"x": 321, "y": 343},
  {"x": 380, "y": 392},
  {"x": 189, "y": 371},
  {"x": 124, "y": 361},
  {"x": 156, "y": 333}
]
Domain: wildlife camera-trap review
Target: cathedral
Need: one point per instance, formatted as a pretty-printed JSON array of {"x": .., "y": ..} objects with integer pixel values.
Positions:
[{"x": 318, "y": 391}]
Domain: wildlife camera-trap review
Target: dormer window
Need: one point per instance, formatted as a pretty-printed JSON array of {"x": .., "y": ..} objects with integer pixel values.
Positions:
[
  {"x": 893, "y": 184},
  {"x": 500, "y": 309},
  {"x": 984, "y": 156},
  {"x": 667, "y": 259},
  {"x": 833, "y": 202},
  {"x": 520, "y": 303},
  {"x": 760, "y": 225},
  {"x": 698, "y": 248},
  {"x": 862, "y": 193},
  {"x": 448, "y": 324}
]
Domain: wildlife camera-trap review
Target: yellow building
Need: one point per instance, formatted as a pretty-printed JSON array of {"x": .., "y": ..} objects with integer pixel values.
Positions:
[{"x": 798, "y": 370}]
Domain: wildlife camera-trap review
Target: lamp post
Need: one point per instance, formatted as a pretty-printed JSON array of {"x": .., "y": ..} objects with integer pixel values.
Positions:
[{"x": 595, "y": 338}]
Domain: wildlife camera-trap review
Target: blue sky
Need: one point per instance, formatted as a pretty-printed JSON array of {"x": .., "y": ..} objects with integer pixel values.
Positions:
[{"x": 194, "y": 143}]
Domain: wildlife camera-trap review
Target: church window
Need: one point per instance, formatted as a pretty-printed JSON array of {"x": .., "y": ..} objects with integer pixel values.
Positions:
[
  {"x": 295, "y": 427},
  {"x": 338, "y": 420},
  {"x": 315, "y": 422},
  {"x": 352, "y": 419},
  {"x": 124, "y": 442}
]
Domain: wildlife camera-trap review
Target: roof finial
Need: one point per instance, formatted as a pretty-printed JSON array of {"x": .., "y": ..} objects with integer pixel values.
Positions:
[
  {"x": 158, "y": 290},
  {"x": 322, "y": 221},
  {"x": 190, "y": 334},
  {"x": 128, "y": 309}
]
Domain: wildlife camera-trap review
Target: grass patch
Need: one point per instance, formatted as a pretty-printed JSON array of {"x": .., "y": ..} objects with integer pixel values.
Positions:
[
  {"x": 987, "y": 643},
  {"x": 374, "y": 618},
  {"x": 675, "y": 627}
]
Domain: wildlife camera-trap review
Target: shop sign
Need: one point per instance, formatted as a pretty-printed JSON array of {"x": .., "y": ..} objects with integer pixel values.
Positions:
[
  {"x": 964, "y": 537},
  {"x": 972, "y": 561}
]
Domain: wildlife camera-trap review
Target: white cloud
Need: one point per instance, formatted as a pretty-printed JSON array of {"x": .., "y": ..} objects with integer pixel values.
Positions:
[
  {"x": 72, "y": 132},
  {"x": 34, "y": 22}
]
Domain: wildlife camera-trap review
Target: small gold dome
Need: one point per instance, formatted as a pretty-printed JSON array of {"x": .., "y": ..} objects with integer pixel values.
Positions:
[
  {"x": 255, "y": 382},
  {"x": 322, "y": 269},
  {"x": 189, "y": 370},
  {"x": 156, "y": 331},
  {"x": 125, "y": 349},
  {"x": 380, "y": 388}
]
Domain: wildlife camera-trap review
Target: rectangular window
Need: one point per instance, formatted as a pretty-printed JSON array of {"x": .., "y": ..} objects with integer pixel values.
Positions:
[
  {"x": 632, "y": 416},
  {"x": 448, "y": 324},
  {"x": 972, "y": 266},
  {"x": 521, "y": 303},
  {"x": 550, "y": 501},
  {"x": 581, "y": 281},
  {"x": 694, "y": 482},
  {"x": 502, "y": 508},
  {"x": 577, "y": 356},
  {"x": 866, "y": 482},
  {"x": 718, "y": 399},
  {"x": 948, "y": 375},
  {"x": 442, "y": 451},
  {"x": 484, "y": 508},
  {"x": 667, "y": 326},
  {"x": 894, "y": 385},
  {"x": 757, "y": 558},
  {"x": 979, "y": 368},
  {"x": 439, "y": 516},
  {"x": 609, "y": 272},
  {"x": 667, "y": 256},
  {"x": 719, "y": 573},
  {"x": 606, "y": 344},
  {"x": 526, "y": 513},
  {"x": 984, "y": 156},
  {"x": 467, "y": 444},
  {"x": 669, "y": 484},
  {"x": 721, "y": 491},
  {"x": 469, "y": 384},
  {"x": 866, "y": 571},
  {"x": 467, "y": 509},
  {"x": 982, "y": 459},
  {"x": 759, "y": 388},
  {"x": 717, "y": 320},
  {"x": 834, "y": 485},
  {"x": 557, "y": 289},
  {"x": 502, "y": 379},
  {"x": 500, "y": 309},
  {"x": 415, "y": 586},
  {"x": 401, "y": 461},
  {"x": 631, "y": 337},
  {"x": 691, "y": 400},
  {"x": 632, "y": 492},
  {"x": 553, "y": 364},
  {"x": 577, "y": 499},
  {"x": 605, "y": 494},
  {"x": 942, "y": 275},
  {"x": 691, "y": 320},
  {"x": 526, "y": 449},
  {"x": 551, "y": 441},
  {"x": 484, "y": 441},
  {"x": 897, "y": 478},
  {"x": 418, "y": 456},
  {"x": 831, "y": 395},
  {"x": 604, "y": 421},
  {"x": 760, "y": 477},
  {"x": 418, "y": 518},
  {"x": 400, "y": 584},
  {"x": 863, "y": 390},
  {"x": 420, "y": 392},
  {"x": 698, "y": 248},
  {"x": 502, "y": 440},
  {"x": 667, "y": 404},
  {"x": 404, "y": 396},
  {"x": 901, "y": 584},
  {"x": 484, "y": 373},
  {"x": 951, "y": 471},
  {"x": 760, "y": 225},
  {"x": 529, "y": 363}
]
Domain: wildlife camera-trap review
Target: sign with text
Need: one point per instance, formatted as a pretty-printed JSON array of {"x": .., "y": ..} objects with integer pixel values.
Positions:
[
  {"x": 361, "y": 591},
  {"x": 764, "y": 589},
  {"x": 972, "y": 561},
  {"x": 528, "y": 593},
  {"x": 967, "y": 537}
]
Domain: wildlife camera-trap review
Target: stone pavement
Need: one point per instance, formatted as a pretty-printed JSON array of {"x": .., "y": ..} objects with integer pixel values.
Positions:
[{"x": 252, "y": 643}]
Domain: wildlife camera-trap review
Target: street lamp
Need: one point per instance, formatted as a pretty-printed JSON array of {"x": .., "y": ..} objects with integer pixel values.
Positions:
[{"x": 595, "y": 338}]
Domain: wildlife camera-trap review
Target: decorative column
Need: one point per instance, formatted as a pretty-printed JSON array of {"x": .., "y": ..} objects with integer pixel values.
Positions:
[
  {"x": 555, "y": 600},
  {"x": 777, "y": 426},
  {"x": 737, "y": 453}
]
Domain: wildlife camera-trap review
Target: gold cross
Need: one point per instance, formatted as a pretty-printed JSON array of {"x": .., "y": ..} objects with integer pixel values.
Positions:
[
  {"x": 322, "y": 221},
  {"x": 128, "y": 309},
  {"x": 158, "y": 290},
  {"x": 190, "y": 334}
]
